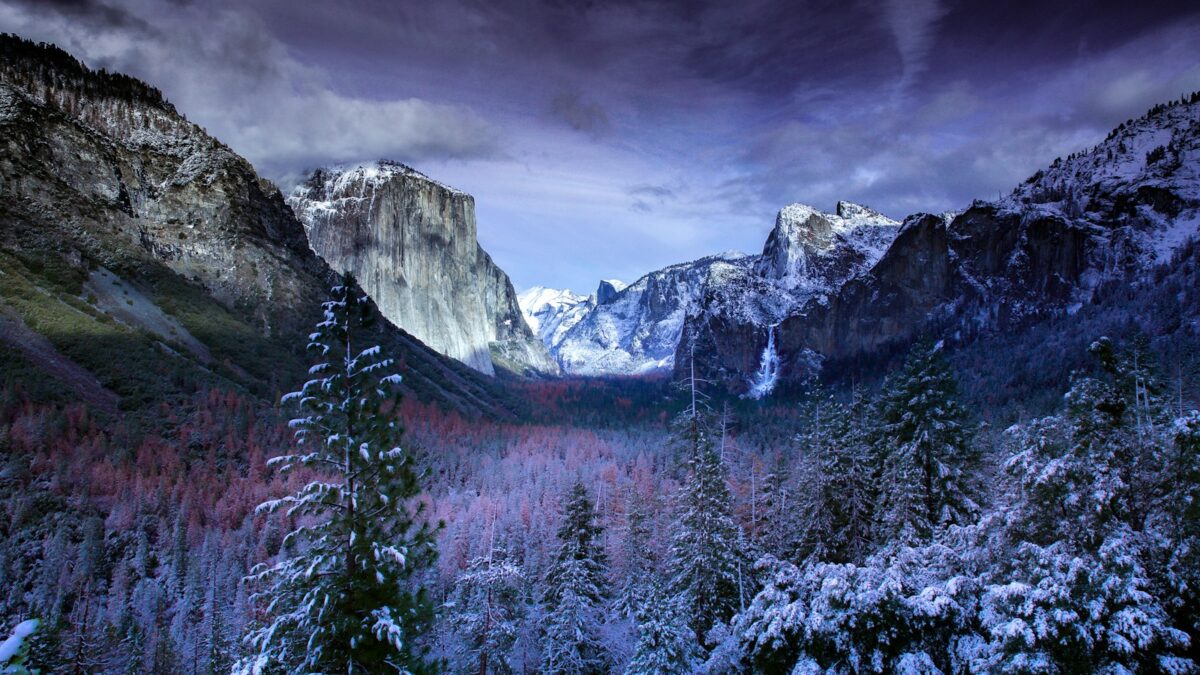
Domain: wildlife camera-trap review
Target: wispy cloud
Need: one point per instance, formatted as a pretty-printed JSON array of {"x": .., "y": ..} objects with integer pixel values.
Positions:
[
  {"x": 608, "y": 138},
  {"x": 223, "y": 68}
]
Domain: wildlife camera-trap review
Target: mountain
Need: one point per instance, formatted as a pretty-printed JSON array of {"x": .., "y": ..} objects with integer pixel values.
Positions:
[
  {"x": 638, "y": 329},
  {"x": 411, "y": 243},
  {"x": 1109, "y": 215},
  {"x": 551, "y": 312},
  {"x": 141, "y": 259}
]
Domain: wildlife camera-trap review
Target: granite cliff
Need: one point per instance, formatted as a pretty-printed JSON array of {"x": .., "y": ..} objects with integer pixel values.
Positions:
[
  {"x": 411, "y": 242},
  {"x": 1111, "y": 214},
  {"x": 142, "y": 258}
]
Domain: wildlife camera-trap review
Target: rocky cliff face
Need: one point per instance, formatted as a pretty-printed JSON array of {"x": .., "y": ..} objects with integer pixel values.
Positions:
[
  {"x": 411, "y": 243},
  {"x": 637, "y": 329},
  {"x": 148, "y": 253},
  {"x": 1106, "y": 215}
]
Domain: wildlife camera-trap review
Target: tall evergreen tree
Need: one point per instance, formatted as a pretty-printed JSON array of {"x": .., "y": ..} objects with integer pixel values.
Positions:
[
  {"x": 707, "y": 568},
  {"x": 637, "y": 555},
  {"x": 487, "y": 611},
  {"x": 666, "y": 646},
  {"x": 342, "y": 599},
  {"x": 576, "y": 591},
  {"x": 835, "y": 520},
  {"x": 922, "y": 448}
]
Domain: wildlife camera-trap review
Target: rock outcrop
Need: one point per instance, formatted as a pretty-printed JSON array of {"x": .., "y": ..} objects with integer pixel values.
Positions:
[
  {"x": 643, "y": 327},
  {"x": 1110, "y": 214},
  {"x": 153, "y": 256},
  {"x": 411, "y": 243}
]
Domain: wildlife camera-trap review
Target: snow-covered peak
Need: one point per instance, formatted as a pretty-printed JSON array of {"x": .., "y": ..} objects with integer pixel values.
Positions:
[
  {"x": 346, "y": 178},
  {"x": 536, "y": 301},
  {"x": 551, "y": 312},
  {"x": 329, "y": 190},
  {"x": 1145, "y": 174},
  {"x": 804, "y": 235}
]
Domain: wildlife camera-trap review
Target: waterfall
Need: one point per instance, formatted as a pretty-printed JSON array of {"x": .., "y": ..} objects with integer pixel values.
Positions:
[{"x": 763, "y": 382}]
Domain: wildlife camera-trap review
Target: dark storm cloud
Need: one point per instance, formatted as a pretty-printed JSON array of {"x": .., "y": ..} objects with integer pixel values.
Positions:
[
  {"x": 224, "y": 68},
  {"x": 623, "y": 135},
  {"x": 99, "y": 13},
  {"x": 579, "y": 114}
]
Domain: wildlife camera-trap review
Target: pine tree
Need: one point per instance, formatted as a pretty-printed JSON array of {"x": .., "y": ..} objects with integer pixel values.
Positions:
[
  {"x": 487, "y": 611},
  {"x": 343, "y": 599},
  {"x": 575, "y": 592},
  {"x": 778, "y": 536},
  {"x": 707, "y": 567},
  {"x": 922, "y": 448},
  {"x": 665, "y": 643},
  {"x": 638, "y": 557},
  {"x": 835, "y": 520}
]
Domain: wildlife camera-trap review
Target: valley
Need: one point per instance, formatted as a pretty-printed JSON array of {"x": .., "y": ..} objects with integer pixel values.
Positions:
[{"x": 955, "y": 442}]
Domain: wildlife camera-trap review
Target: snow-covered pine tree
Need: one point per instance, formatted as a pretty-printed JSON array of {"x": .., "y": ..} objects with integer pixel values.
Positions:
[
  {"x": 666, "y": 646},
  {"x": 779, "y": 523},
  {"x": 487, "y": 611},
  {"x": 922, "y": 448},
  {"x": 1179, "y": 576},
  {"x": 835, "y": 512},
  {"x": 637, "y": 555},
  {"x": 340, "y": 599},
  {"x": 706, "y": 564},
  {"x": 575, "y": 592},
  {"x": 1075, "y": 474}
]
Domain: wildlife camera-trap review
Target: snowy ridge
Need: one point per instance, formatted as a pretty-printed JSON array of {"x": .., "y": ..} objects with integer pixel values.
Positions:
[
  {"x": 348, "y": 186},
  {"x": 637, "y": 329},
  {"x": 1146, "y": 174},
  {"x": 551, "y": 312}
]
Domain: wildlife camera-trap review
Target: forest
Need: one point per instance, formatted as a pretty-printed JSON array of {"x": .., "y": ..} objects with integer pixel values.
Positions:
[{"x": 638, "y": 526}]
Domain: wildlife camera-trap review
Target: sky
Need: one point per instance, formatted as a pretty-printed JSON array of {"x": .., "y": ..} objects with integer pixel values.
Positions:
[{"x": 604, "y": 139}]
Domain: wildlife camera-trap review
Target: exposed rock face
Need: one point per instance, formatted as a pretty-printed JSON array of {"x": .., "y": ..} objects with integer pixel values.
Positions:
[
  {"x": 637, "y": 329},
  {"x": 139, "y": 226},
  {"x": 132, "y": 172},
  {"x": 1109, "y": 214},
  {"x": 411, "y": 243},
  {"x": 607, "y": 291}
]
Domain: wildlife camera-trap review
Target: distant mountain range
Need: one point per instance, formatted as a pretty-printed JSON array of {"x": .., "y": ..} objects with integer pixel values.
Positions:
[
  {"x": 126, "y": 223},
  {"x": 833, "y": 289}
]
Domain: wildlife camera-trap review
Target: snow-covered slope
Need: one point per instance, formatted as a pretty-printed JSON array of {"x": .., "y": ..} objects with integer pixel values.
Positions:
[
  {"x": 636, "y": 329},
  {"x": 551, "y": 312},
  {"x": 1099, "y": 219},
  {"x": 1144, "y": 178}
]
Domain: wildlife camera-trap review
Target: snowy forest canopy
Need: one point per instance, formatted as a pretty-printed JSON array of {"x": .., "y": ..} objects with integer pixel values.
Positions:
[{"x": 865, "y": 529}]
